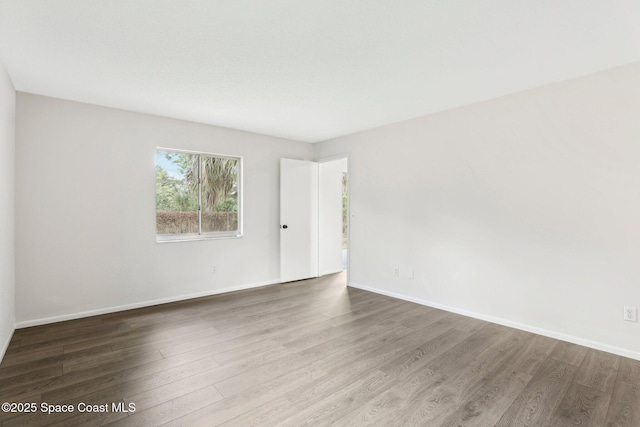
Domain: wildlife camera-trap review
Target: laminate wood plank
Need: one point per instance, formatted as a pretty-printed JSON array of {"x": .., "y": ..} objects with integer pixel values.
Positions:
[
  {"x": 420, "y": 348},
  {"x": 350, "y": 304},
  {"x": 269, "y": 414},
  {"x": 151, "y": 317},
  {"x": 27, "y": 366},
  {"x": 135, "y": 365},
  {"x": 345, "y": 371},
  {"x": 342, "y": 408},
  {"x": 223, "y": 341},
  {"x": 149, "y": 390},
  {"x": 47, "y": 333},
  {"x": 100, "y": 392},
  {"x": 572, "y": 354},
  {"x": 258, "y": 315},
  {"x": 405, "y": 369},
  {"x": 191, "y": 376},
  {"x": 292, "y": 307},
  {"x": 221, "y": 313},
  {"x": 312, "y": 338},
  {"x": 171, "y": 410},
  {"x": 30, "y": 366},
  {"x": 34, "y": 420},
  {"x": 18, "y": 358},
  {"x": 306, "y": 317},
  {"x": 463, "y": 376},
  {"x": 272, "y": 349},
  {"x": 535, "y": 405},
  {"x": 260, "y": 375},
  {"x": 148, "y": 376},
  {"x": 86, "y": 353},
  {"x": 26, "y": 378},
  {"x": 355, "y": 341},
  {"x": 237, "y": 349},
  {"x": 347, "y": 366},
  {"x": 369, "y": 348},
  {"x": 499, "y": 355},
  {"x": 144, "y": 335},
  {"x": 422, "y": 317},
  {"x": 14, "y": 343},
  {"x": 310, "y": 335},
  {"x": 90, "y": 419},
  {"x": 88, "y": 360},
  {"x": 16, "y": 418},
  {"x": 387, "y": 408},
  {"x": 223, "y": 307},
  {"x": 164, "y": 393},
  {"x": 629, "y": 371},
  {"x": 44, "y": 346},
  {"x": 463, "y": 353},
  {"x": 151, "y": 342},
  {"x": 358, "y": 305},
  {"x": 624, "y": 408},
  {"x": 342, "y": 401},
  {"x": 598, "y": 370},
  {"x": 488, "y": 404},
  {"x": 533, "y": 354},
  {"x": 468, "y": 324},
  {"x": 388, "y": 308},
  {"x": 242, "y": 364},
  {"x": 240, "y": 301},
  {"x": 241, "y": 340},
  {"x": 367, "y": 337},
  {"x": 68, "y": 325},
  {"x": 581, "y": 406},
  {"x": 255, "y": 397},
  {"x": 405, "y": 366}
]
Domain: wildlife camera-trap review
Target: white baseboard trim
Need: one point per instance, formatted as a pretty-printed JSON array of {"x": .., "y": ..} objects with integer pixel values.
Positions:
[
  {"x": 63, "y": 317},
  {"x": 504, "y": 322},
  {"x": 3, "y": 351}
]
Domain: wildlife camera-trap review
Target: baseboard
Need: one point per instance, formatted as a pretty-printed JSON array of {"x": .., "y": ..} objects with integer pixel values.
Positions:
[
  {"x": 3, "y": 351},
  {"x": 533, "y": 329},
  {"x": 63, "y": 317}
]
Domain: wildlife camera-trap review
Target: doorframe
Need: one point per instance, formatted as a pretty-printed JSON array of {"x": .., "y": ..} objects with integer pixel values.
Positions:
[{"x": 330, "y": 159}]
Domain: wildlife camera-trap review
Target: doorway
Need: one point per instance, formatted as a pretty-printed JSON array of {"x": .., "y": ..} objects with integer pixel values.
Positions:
[
  {"x": 345, "y": 220},
  {"x": 333, "y": 215}
]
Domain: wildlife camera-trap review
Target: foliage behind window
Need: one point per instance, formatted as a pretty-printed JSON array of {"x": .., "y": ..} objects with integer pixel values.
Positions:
[{"x": 197, "y": 195}]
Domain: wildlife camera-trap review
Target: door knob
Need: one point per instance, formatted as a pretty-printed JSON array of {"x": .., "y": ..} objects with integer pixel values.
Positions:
[{"x": 285, "y": 226}]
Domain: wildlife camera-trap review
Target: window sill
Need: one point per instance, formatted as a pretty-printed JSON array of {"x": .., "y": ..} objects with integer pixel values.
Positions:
[{"x": 195, "y": 238}]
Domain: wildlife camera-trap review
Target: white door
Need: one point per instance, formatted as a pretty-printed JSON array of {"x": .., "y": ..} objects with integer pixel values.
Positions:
[{"x": 298, "y": 220}]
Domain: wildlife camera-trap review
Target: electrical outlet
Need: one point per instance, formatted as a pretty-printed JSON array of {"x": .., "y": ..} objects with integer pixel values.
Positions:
[
  {"x": 396, "y": 271},
  {"x": 215, "y": 269},
  {"x": 630, "y": 314}
]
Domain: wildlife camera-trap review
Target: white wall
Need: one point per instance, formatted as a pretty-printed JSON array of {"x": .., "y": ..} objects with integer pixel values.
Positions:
[
  {"x": 7, "y": 209},
  {"x": 524, "y": 210},
  {"x": 85, "y": 210}
]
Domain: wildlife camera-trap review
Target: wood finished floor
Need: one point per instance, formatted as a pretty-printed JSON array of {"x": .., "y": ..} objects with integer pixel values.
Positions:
[{"x": 312, "y": 353}]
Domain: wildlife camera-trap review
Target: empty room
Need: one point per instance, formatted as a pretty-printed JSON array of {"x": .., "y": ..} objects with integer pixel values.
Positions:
[{"x": 286, "y": 213}]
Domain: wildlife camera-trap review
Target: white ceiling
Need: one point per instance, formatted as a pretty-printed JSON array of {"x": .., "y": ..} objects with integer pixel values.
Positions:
[{"x": 302, "y": 69}]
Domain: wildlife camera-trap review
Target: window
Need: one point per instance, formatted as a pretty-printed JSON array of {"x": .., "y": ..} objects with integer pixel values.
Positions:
[{"x": 198, "y": 195}]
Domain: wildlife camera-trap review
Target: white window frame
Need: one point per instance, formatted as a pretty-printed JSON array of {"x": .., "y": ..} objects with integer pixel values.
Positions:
[{"x": 189, "y": 237}]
